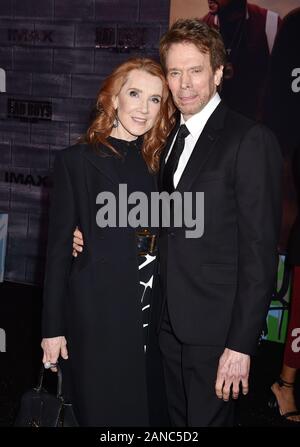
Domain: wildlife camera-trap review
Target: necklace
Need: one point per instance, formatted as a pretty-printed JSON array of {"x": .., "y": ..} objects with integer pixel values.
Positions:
[{"x": 232, "y": 49}]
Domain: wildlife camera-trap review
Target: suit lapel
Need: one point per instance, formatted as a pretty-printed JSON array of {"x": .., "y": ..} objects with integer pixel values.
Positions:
[
  {"x": 203, "y": 147},
  {"x": 165, "y": 153},
  {"x": 155, "y": 182},
  {"x": 105, "y": 164}
]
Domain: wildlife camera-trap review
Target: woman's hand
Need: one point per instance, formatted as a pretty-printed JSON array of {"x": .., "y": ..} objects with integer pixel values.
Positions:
[
  {"x": 77, "y": 242},
  {"x": 53, "y": 348}
]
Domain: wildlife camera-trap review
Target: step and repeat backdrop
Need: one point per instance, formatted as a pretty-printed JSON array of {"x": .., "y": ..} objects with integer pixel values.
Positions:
[{"x": 53, "y": 56}]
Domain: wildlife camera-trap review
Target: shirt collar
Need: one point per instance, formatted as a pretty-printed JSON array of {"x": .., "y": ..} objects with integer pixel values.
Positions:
[{"x": 196, "y": 123}]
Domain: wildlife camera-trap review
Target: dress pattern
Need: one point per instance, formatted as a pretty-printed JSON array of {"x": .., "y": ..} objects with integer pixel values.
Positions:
[
  {"x": 146, "y": 272},
  {"x": 134, "y": 173}
]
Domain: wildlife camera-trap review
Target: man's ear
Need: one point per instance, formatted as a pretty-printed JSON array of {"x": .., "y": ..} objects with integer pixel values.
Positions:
[{"x": 219, "y": 75}]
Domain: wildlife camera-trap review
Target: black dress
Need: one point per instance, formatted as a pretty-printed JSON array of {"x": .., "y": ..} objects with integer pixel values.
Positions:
[
  {"x": 101, "y": 300},
  {"x": 133, "y": 172}
]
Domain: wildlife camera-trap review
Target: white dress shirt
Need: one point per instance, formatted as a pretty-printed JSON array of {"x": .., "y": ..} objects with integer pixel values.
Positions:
[{"x": 195, "y": 125}]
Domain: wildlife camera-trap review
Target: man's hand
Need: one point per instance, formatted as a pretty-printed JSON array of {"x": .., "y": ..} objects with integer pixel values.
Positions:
[
  {"x": 77, "y": 242},
  {"x": 233, "y": 368},
  {"x": 54, "y": 347}
]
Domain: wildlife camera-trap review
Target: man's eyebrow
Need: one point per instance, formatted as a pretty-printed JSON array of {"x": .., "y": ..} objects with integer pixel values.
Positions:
[{"x": 189, "y": 68}]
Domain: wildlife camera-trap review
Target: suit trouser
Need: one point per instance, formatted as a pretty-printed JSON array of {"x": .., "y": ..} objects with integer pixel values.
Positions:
[{"x": 190, "y": 375}]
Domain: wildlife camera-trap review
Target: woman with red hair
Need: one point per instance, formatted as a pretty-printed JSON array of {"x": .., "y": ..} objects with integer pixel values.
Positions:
[{"x": 97, "y": 305}]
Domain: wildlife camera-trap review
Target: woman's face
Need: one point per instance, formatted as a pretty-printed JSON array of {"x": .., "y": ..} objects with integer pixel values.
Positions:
[{"x": 137, "y": 105}]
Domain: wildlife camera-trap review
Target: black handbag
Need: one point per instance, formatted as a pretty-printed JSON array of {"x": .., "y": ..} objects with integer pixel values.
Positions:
[{"x": 39, "y": 408}]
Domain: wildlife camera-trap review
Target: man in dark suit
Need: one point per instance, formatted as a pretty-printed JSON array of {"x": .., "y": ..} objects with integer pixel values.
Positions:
[{"x": 217, "y": 288}]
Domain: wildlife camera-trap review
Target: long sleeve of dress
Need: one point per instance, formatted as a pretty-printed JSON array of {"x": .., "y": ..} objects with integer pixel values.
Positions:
[{"x": 59, "y": 253}]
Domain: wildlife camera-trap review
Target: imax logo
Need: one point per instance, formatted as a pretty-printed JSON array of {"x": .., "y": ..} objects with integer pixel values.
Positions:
[
  {"x": 27, "y": 179},
  {"x": 2, "y": 340},
  {"x": 2, "y": 81},
  {"x": 26, "y": 35}
]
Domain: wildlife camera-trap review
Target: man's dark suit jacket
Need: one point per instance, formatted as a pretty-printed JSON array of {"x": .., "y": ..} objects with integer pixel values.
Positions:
[{"x": 218, "y": 287}]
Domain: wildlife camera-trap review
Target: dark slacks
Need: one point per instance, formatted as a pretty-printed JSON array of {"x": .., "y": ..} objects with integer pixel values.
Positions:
[{"x": 190, "y": 375}]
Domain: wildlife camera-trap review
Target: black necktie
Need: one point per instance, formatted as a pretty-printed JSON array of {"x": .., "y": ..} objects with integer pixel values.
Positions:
[{"x": 173, "y": 159}]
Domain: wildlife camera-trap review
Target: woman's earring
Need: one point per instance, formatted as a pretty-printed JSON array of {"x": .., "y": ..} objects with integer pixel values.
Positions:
[{"x": 116, "y": 121}]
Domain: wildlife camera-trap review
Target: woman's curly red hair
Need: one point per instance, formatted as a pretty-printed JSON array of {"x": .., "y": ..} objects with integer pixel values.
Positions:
[{"x": 102, "y": 123}]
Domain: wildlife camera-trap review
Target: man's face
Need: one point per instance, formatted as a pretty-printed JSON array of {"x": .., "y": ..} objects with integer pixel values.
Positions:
[
  {"x": 191, "y": 78},
  {"x": 216, "y": 5}
]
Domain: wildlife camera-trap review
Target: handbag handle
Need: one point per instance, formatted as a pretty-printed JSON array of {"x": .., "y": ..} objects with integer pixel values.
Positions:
[{"x": 59, "y": 380}]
